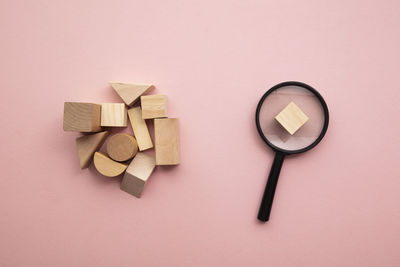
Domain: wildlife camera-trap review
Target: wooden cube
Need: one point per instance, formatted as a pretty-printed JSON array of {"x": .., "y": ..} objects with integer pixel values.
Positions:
[
  {"x": 291, "y": 118},
  {"x": 130, "y": 92},
  {"x": 137, "y": 174},
  {"x": 140, "y": 129},
  {"x": 154, "y": 106},
  {"x": 166, "y": 135},
  {"x": 114, "y": 115},
  {"x": 81, "y": 117}
]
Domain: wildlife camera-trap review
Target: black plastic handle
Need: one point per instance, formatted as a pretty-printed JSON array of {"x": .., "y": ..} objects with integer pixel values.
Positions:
[{"x": 268, "y": 197}]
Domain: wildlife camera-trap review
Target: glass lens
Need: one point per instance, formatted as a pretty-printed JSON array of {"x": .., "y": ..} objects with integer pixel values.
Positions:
[{"x": 276, "y": 133}]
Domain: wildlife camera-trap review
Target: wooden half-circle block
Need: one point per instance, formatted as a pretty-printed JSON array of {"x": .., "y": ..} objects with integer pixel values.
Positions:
[
  {"x": 129, "y": 92},
  {"x": 107, "y": 166},
  {"x": 87, "y": 145},
  {"x": 121, "y": 147}
]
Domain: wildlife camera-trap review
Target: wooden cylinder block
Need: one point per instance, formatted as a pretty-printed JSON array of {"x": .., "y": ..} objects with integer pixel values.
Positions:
[
  {"x": 107, "y": 166},
  {"x": 121, "y": 147}
]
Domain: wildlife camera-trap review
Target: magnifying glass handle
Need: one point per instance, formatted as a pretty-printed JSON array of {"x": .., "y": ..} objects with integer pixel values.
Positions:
[{"x": 268, "y": 197}]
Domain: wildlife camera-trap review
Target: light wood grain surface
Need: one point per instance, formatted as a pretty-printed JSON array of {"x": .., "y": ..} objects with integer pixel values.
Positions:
[
  {"x": 291, "y": 118},
  {"x": 154, "y": 106},
  {"x": 114, "y": 115},
  {"x": 166, "y": 133},
  {"x": 140, "y": 129}
]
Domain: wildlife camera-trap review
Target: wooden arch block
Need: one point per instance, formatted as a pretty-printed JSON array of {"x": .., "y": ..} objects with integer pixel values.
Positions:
[
  {"x": 87, "y": 145},
  {"x": 137, "y": 174},
  {"x": 130, "y": 92},
  {"x": 107, "y": 166},
  {"x": 140, "y": 129},
  {"x": 166, "y": 133},
  {"x": 81, "y": 117}
]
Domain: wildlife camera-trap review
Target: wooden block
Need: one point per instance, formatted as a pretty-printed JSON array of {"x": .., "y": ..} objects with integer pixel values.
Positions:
[
  {"x": 129, "y": 92},
  {"x": 114, "y": 115},
  {"x": 137, "y": 174},
  {"x": 154, "y": 106},
  {"x": 140, "y": 129},
  {"x": 87, "y": 145},
  {"x": 107, "y": 166},
  {"x": 121, "y": 147},
  {"x": 166, "y": 133},
  {"x": 81, "y": 117},
  {"x": 291, "y": 118}
]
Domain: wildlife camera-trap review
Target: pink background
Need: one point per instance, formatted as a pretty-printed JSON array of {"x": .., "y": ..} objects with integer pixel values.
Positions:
[{"x": 338, "y": 204}]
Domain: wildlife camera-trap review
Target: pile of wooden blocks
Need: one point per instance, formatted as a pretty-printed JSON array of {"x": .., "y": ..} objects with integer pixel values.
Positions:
[{"x": 125, "y": 151}]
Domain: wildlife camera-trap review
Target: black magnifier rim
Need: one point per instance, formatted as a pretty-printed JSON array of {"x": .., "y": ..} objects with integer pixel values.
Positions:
[{"x": 323, "y": 104}]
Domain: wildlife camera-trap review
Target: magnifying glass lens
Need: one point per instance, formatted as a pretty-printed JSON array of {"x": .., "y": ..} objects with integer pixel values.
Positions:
[{"x": 276, "y": 132}]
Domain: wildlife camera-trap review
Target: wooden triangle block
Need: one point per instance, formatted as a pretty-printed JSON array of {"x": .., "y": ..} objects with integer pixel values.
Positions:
[
  {"x": 129, "y": 92},
  {"x": 87, "y": 145}
]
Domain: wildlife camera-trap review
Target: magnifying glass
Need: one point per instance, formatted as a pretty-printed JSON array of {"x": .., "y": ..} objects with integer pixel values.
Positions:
[{"x": 291, "y": 118}]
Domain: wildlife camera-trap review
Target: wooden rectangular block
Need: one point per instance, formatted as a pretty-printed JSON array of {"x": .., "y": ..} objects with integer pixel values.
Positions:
[
  {"x": 291, "y": 118},
  {"x": 81, "y": 117},
  {"x": 137, "y": 174},
  {"x": 140, "y": 129},
  {"x": 166, "y": 135},
  {"x": 113, "y": 115},
  {"x": 154, "y": 106}
]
